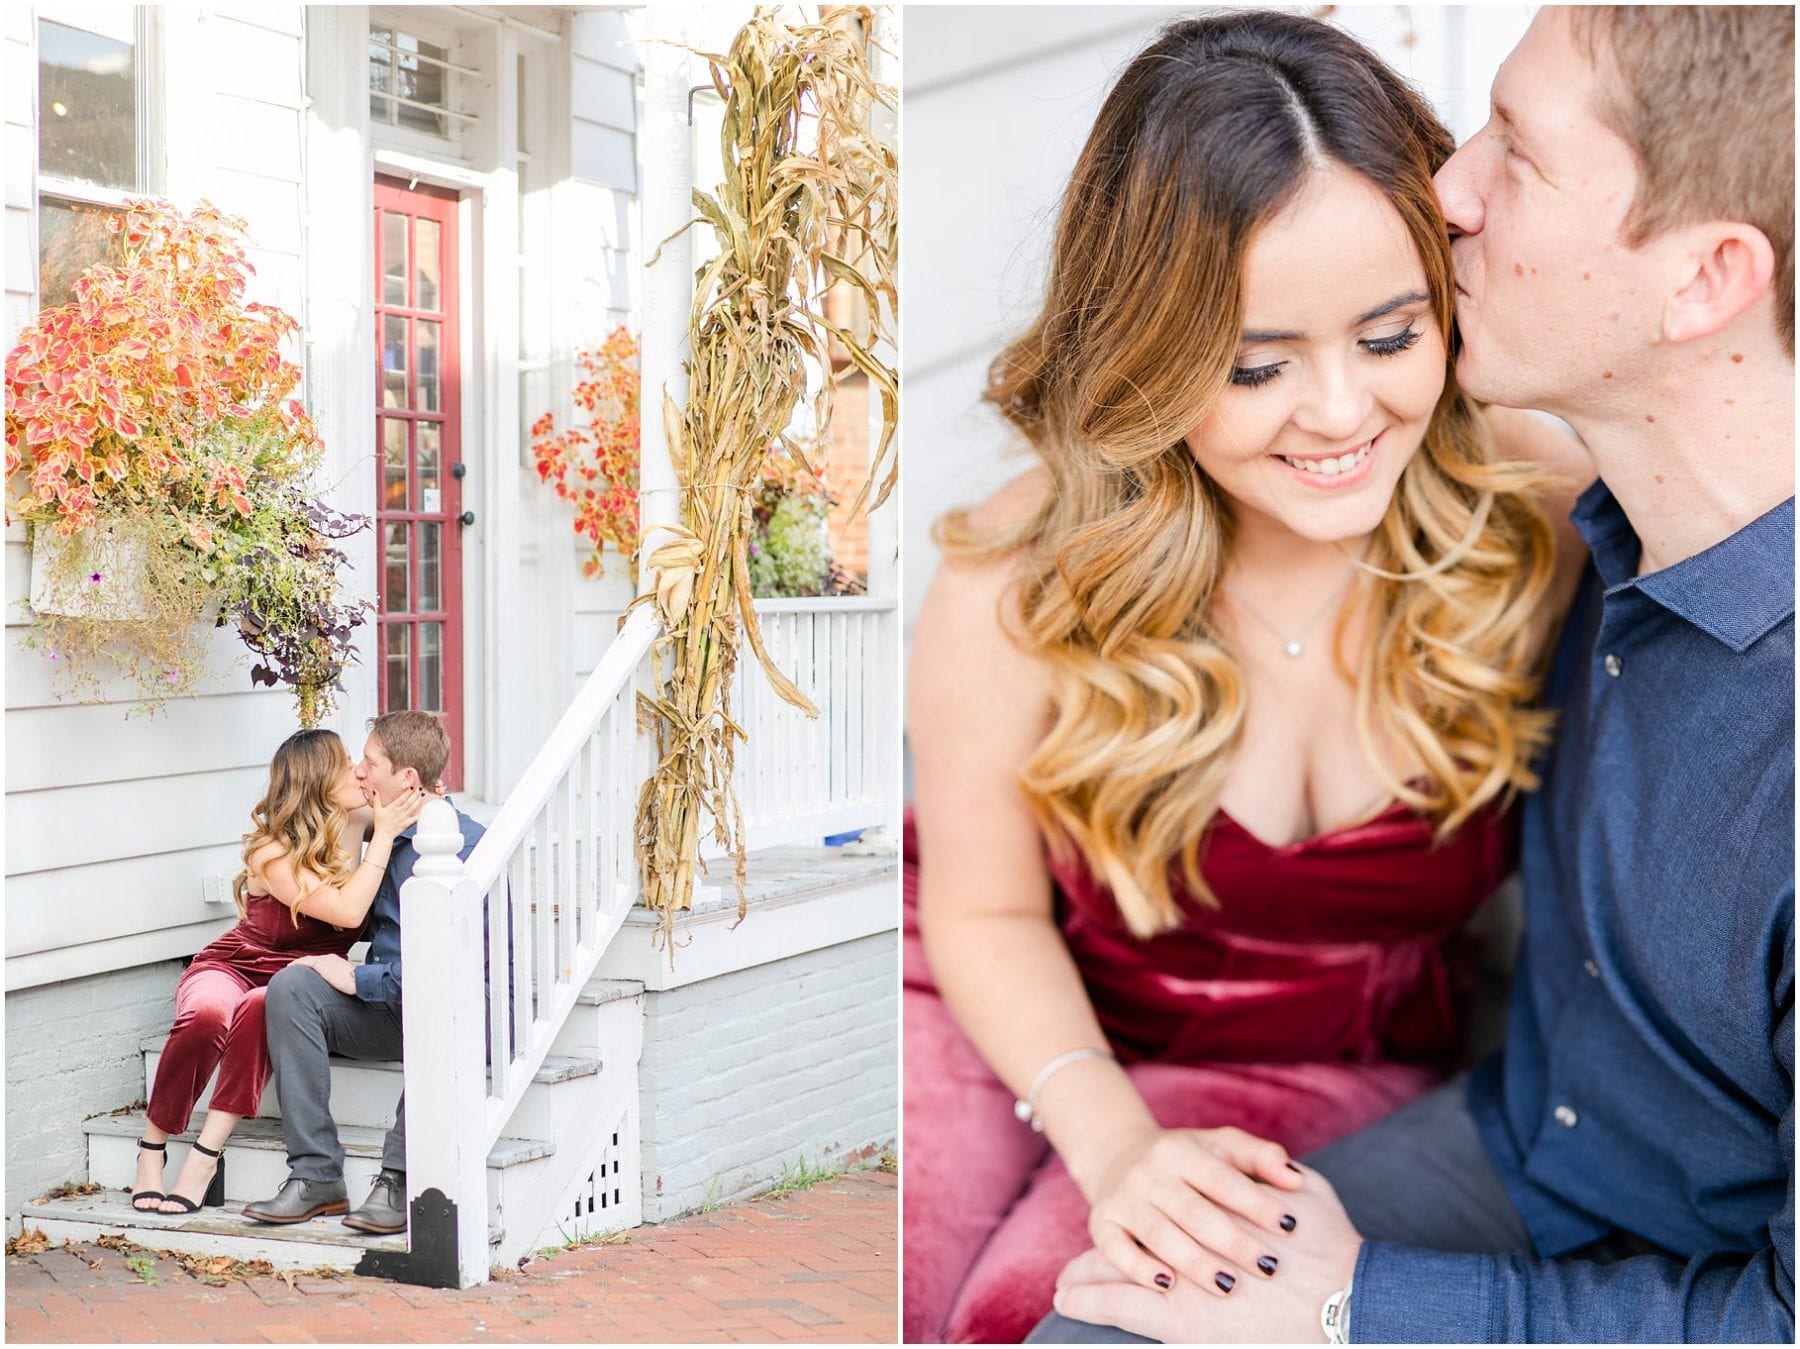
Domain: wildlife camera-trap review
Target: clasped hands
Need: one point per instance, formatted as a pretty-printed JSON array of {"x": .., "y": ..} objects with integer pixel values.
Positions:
[{"x": 1210, "y": 1235}]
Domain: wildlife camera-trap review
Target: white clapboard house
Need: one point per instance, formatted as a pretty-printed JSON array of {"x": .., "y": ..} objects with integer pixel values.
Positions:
[{"x": 450, "y": 201}]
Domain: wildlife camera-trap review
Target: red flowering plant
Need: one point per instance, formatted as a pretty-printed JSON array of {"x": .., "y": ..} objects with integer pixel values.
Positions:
[
  {"x": 151, "y": 429},
  {"x": 596, "y": 466}
]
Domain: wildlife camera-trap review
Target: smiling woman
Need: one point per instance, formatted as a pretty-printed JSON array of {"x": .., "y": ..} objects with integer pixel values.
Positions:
[{"x": 1217, "y": 716}]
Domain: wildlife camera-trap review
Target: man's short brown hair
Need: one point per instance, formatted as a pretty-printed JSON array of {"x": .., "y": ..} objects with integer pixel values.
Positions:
[
  {"x": 415, "y": 740},
  {"x": 1704, "y": 96}
]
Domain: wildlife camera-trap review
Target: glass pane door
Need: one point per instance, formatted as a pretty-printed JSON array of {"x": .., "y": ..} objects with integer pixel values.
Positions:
[{"x": 419, "y": 501}]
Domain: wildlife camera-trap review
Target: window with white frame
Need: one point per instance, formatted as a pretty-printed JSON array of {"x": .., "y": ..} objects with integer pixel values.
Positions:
[
  {"x": 413, "y": 78},
  {"x": 93, "y": 133}
]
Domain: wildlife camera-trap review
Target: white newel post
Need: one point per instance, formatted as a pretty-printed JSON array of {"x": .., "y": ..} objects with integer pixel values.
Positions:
[{"x": 444, "y": 1019}]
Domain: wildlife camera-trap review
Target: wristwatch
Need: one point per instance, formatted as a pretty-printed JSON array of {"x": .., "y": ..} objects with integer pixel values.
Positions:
[{"x": 1334, "y": 1317}]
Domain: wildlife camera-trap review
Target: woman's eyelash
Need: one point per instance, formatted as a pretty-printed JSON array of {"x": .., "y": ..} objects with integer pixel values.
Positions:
[
  {"x": 1251, "y": 377},
  {"x": 1248, "y": 377},
  {"x": 1393, "y": 346}
]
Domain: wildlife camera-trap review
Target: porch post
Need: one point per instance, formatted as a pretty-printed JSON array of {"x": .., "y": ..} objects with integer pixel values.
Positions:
[
  {"x": 884, "y": 524},
  {"x": 668, "y": 167},
  {"x": 443, "y": 1021}
]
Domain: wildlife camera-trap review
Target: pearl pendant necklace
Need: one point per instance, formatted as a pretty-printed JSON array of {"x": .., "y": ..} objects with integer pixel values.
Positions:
[{"x": 1292, "y": 645}]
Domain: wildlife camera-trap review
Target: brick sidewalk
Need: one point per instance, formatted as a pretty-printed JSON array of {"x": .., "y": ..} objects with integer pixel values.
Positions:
[{"x": 816, "y": 1265}]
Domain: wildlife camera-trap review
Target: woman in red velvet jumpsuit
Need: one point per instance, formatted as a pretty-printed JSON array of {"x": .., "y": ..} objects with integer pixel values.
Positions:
[
  {"x": 302, "y": 893},
  {"x": 1217, "y": 714}
]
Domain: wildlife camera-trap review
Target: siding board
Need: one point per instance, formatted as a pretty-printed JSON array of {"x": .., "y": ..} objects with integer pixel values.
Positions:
[
  {"x": 604, "y": 95},
  {"x": 264, "y": 65},
  {"x": 84, "y": 744},
  {"x": 254, "y": 138},
  {"x": 601, "y": 155},
  {"x": 116, "y": 821},
  {"x": 604, "y": 36},
  {"x": 237, "y": 20},
  {"x": 32, "y": 680},
  {"x": 74, "y": 905}
]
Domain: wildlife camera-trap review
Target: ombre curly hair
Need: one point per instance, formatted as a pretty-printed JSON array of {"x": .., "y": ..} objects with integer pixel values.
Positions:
[
  {"x": 299, "y": 813},
  {"x": 1208, "y": 134}
]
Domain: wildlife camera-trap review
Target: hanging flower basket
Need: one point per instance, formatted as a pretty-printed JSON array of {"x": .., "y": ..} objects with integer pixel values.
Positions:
[
  {"x": 152, "y": 443},
  {"x": 97, "y": 574}
]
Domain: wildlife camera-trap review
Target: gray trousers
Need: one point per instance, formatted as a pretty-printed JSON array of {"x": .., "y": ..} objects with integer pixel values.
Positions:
[
  {"x": 1420, "y": 1177},
  {"x": 307, "y": 1021}
]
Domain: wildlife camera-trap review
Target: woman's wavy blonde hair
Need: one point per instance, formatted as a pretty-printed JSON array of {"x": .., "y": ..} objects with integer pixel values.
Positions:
[
  {"x": 1209, "y": 132},
  {"x": 298, "y": 812}
]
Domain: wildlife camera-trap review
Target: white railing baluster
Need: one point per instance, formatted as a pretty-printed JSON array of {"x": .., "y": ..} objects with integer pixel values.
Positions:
[
  {"x": 568, "y": 897},
  {"x": 837, "y": 718},
  {"x": 591, "y": 824},
  {"x": 818, "y": 785}
]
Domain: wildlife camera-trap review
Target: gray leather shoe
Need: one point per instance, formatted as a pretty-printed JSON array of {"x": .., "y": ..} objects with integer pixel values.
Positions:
[
  {"x": 384, "y": 1210},
  {"x": 300, "y": 1200}
]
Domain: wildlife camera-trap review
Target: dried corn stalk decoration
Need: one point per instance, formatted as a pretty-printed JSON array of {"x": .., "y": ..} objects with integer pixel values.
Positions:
[{"x": 810, "y": 197}]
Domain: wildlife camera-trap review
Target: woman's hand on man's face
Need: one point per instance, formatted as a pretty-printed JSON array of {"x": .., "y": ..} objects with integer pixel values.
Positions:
[{"x": 1209, "y": 1205}]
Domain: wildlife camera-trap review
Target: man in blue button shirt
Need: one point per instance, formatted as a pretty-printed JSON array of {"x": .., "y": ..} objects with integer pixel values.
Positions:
[
  {"x": 323, "y": 1005},
  {"x": 1623, "y": 1169}
]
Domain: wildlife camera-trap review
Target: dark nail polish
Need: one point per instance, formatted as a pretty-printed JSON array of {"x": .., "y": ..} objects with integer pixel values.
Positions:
[
  {"x": 1287, "y": 1222},
  {"x": 1225, "y": 1281},
  {"x": 1164, "y": 1281},
  {"x": 1296, "y": 1170},
  {"x": 1267, "y": 1264}
]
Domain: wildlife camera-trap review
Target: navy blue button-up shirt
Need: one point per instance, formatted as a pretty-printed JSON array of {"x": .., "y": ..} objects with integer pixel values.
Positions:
[
  {"x": 378, "y": 977},
  {"x": 1647, "y": 1081}
]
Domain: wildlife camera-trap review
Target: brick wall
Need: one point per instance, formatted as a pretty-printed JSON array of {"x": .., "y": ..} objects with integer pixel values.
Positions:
[
  {"x": 72, "y": 1050},
  {"x": 847, "y": 464},
  {"x": 746, "y": 1074}
]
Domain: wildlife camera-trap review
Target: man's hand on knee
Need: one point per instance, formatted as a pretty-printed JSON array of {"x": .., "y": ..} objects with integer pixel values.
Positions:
[
  {"x": 334, "y": 970},
  {"x": 1317, "y": 1260}
]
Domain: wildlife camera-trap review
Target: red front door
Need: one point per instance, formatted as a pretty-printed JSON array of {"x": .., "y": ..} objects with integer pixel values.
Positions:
[{"x": 417, "y": 429}]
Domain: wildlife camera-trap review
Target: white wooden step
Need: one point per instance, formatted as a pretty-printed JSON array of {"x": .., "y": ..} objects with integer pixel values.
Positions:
[
  {"x": 607, "y": 1019},
  {"x": 599, "y": 992},
  {"x": 256, "y": 1157},
  {"x": 365, "y": 1091},
  {"x": 308, "y": 1245}
]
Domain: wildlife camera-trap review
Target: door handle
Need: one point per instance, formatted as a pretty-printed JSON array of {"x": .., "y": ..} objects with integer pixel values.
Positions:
[{"x": 466, "y": 518}]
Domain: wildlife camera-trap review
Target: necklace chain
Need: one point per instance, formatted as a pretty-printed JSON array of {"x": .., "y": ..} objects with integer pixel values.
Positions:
[{"x": 1291, "y": 644}]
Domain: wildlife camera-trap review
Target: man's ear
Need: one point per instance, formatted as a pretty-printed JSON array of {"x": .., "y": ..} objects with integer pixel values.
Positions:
[{"x": 1730, "y": 267}]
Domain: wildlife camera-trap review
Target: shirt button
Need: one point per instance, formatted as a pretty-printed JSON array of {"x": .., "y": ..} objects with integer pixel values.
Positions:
[
  {"x": 1592, "y": 969},
  {"x": 1614, "y": 666},
  {"x": 1566, "y": 1117}
]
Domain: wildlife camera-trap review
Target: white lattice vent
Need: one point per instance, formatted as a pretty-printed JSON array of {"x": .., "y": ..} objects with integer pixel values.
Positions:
[
  {"x": 609, "y": 1197},
  {"x": 602, "y": 1191}
]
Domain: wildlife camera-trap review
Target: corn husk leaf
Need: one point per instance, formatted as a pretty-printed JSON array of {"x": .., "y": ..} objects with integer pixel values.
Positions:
[{"x": 809, "y": 199}]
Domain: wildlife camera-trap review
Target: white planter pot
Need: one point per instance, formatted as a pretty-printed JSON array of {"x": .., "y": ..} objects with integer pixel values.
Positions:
[{"x": 98, "y": 573}]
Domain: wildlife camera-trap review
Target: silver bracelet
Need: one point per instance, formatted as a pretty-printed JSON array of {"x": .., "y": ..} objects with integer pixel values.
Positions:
[
  {"x": 1334, "y": 1316},
  {"x": 1026, "y": 1109}
]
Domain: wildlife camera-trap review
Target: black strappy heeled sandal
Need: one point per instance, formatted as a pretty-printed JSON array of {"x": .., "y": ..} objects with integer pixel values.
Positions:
[
  {"x": 156, "y": 1195},
  {"x": 215, "y": 1192}
]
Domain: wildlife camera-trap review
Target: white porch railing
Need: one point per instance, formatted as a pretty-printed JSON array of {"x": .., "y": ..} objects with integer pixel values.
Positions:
[
  {"x": 530, "y": 914},
  {"x": 802, "y": 779},
  {"x": 552, "y": 880}
]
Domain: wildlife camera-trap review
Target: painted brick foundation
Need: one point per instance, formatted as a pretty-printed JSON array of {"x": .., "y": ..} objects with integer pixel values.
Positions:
[
  {"x": 747, "y": 1074},
  {"x": 72, "y": 1050}
]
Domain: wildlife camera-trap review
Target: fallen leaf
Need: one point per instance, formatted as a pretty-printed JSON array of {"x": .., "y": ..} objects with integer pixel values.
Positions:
[{"x": 31, "y": 1241}]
